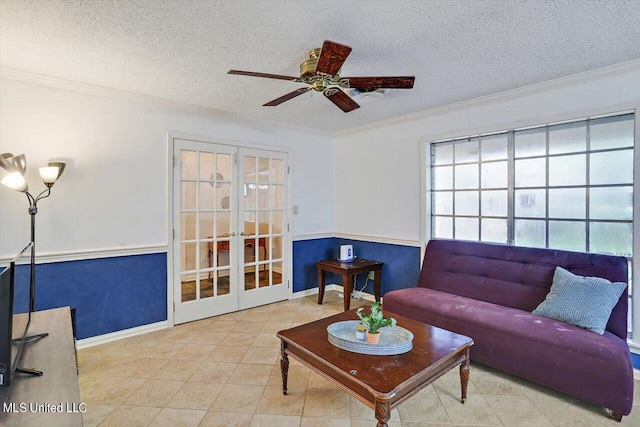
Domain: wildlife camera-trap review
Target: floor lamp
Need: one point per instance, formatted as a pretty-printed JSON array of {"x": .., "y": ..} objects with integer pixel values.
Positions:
[{"x": 16, "y": 166}]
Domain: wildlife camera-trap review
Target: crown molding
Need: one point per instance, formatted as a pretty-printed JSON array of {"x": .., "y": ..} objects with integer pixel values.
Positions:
[
  {"x": 138, "y": 98},
  {"x": 561, "y": 82}
]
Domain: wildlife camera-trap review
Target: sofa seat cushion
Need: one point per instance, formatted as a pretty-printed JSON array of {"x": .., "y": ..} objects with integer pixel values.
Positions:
[{"x": 550, "y": 352}]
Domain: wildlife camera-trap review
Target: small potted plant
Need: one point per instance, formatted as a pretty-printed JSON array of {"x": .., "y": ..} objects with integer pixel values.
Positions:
[{"x": 374, "y": 321}]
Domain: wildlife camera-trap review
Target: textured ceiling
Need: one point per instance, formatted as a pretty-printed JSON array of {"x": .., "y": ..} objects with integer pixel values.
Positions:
[{"x": 182, "y": 49}]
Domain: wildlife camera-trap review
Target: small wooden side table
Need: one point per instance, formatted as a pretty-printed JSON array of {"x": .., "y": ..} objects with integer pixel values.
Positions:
[{"x": 348, "y": 270}]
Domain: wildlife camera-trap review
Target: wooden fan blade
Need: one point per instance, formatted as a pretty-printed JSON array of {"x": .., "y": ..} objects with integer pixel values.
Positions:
[
  {"x": 372, "y": 83},
  {"x": 269, "y": 76},
  {"x": 287, "y": 97},
  {"x": 341, "y": 99},
  {"x": 332, "y": 57}
]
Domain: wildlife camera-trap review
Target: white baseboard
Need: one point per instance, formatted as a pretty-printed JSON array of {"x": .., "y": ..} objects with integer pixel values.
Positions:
[
  {"x": 313, "y": 291},
  {"x": 118, "y": 335},
  {"x": 364, "y": 295}
]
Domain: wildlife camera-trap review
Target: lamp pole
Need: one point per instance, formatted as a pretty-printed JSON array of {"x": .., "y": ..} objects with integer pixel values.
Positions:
[{"x": 33, "y": 210}]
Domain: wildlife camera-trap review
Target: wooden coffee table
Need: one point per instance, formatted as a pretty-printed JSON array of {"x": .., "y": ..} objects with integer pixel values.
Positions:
[{"x": 380, "y": 382}]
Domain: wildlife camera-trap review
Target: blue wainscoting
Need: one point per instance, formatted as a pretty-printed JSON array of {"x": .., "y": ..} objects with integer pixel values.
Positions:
[
  {"x": 635, "y": 360},
  {"x": 305, "y": 255},
  {"x": 109, "y": 294},
  {"x": 401, "y": 263}
]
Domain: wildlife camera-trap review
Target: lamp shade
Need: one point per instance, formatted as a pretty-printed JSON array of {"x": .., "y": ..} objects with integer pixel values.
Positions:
[
  {"x": 15, "y": 181},
  {"x": 49, "y": 174}
]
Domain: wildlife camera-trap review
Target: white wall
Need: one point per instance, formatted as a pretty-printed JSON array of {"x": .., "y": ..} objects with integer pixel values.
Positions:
[
  {"x": 114, "y": 191},
  {"x": 381, "y": 166}
]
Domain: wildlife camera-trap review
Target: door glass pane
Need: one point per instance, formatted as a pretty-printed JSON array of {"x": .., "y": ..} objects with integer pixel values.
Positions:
[
  {"x": 250, "y": 223},
  {"x": 188, "y": 287},
  {"x": 530, "y": 203},
  {"x": 467, "y": 202},
  {"x": 188, "y": 164},
  {"x": 187, "y": 195},
  {"x": 223, "y": 224},
  {"x": 494, "y": 230},
  {"x": 443, "y": 227},
  {"x": 263, "y": 223},
  {"x": 276, "y": 273},
  {"x": 205, "y": 196},
  {"x": 222, "y": 282},
  {"x": 223, "y": 196},
  {"x": 188, "y": 226},
  {"x": 443, "y": 154},
  {"x": 188, "y": 254},
  {"x": 568, "y": 170},
  {"x": 264, "y": 172},
  {"x": 222, "y": 255},
  {"x": 567, "y": 203},
  {"x": 466, "y": 176},
  {"x": 278, "y": 197},
  {"x": 443, "y": 177},
  {"x": 467, "y": 228},
  {"x": 207, "y": 167},
  {"x": 613, "y": 167},
  {"x": 494, "y": 147},
  {"x": 250, "y": 169},
  {"x": 443, "y": 202},
  {"x": 250, "y": 195},
  {"x": 205, "y": 260},
  {"x": 276, "y": 247},
  {"x": 263, "y": 196},
  {"x": 568, "y": 138},
  {"x": 206, "y": 225},
  {"x": 530, "y": 233},
  {"x": 610, "y": 238},
  {"x": 494, "y": 175},
  {"x": 466, "y": 151},
  {"x": 223, "y": 167},
  {"x": 530, "y": 172},
  {"x": 611, "y": 203},
  {"x": 276, "y": 221},
  {"x": 531, "y": 142},
  {"x": 206, "y": 286},
  {"x": 250, "y": 281},
  {"x": 568, "y": 235},
  {"x": 494, "y": 203},
  {"x": 277, "y": 171},
  {"x": 612, "y": 132}
]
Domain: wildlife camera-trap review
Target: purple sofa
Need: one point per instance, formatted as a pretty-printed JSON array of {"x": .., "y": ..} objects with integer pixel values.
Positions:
[{"x": 488, "y": 291}]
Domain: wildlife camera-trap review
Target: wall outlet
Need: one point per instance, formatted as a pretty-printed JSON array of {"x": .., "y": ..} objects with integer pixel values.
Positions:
[{"x": 370, "y": 276}]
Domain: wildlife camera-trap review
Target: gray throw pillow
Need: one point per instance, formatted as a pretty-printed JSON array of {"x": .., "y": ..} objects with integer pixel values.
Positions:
[{"x": 582, "y": 301}]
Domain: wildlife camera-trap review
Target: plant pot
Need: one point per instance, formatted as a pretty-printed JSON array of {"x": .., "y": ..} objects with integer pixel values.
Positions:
[
  {"x": 361, "y": 333},
  {"x": 373, "y": 338}
]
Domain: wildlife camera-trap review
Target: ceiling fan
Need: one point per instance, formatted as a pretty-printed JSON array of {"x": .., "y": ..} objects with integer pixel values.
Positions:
[{"x": 322, "y": 73}]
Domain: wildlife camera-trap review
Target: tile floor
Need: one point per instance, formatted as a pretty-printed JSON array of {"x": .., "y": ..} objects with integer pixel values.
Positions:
[{"x": 225, "y": 371}]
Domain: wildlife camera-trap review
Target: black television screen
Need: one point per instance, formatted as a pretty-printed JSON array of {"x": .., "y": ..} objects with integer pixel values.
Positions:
[
  {"x": 10, "y": 337},
  {"x": 6, "y": 323}
]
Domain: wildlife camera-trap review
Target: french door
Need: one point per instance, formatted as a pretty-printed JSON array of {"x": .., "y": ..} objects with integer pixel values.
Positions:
[{"x": 231, "y": 237}]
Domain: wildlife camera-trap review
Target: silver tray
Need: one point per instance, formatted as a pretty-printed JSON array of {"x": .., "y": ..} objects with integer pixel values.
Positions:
[{"x": 393, "y": 340}]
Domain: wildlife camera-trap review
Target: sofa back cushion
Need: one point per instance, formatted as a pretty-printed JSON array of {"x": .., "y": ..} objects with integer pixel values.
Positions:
[{"x": 513, "y": 276}]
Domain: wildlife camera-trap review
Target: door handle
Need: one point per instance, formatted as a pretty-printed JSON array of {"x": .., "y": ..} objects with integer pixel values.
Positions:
[
  {"x": 232, "y": 233},
  {"x": 242, "y": 233}
]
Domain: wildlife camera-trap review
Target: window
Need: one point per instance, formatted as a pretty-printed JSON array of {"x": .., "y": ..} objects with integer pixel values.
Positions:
[{"x": 565, "y": 186}]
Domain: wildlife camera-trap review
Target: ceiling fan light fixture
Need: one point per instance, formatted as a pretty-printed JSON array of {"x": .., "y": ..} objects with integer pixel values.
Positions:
[{"x": 362, "y": 97}]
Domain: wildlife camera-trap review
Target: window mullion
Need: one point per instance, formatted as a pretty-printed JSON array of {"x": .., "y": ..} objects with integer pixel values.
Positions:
[{"x": 511, "y": 181}]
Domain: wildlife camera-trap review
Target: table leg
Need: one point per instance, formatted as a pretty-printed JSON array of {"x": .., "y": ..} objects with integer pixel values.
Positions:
[
  {"x": 321, "y": 279},
  {"x": 464, "y": 375},
  {"x": 377, "y": 279},
  {"x": 383, "y": 412},
  {"x": 347, "y": 282},
  {"x": 284, "y": 367}
]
